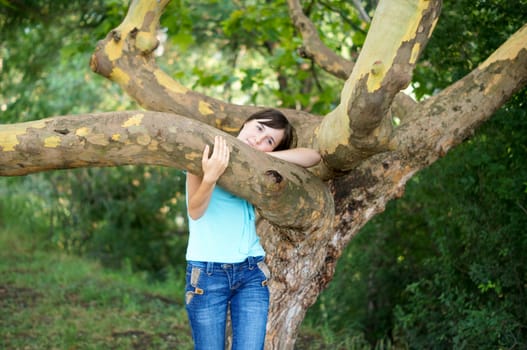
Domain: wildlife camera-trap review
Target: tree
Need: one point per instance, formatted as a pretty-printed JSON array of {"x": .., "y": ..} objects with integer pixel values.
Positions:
[{"x": 373, "y": 141}]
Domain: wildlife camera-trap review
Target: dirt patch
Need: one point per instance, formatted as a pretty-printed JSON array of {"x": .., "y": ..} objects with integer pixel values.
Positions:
[
  {"x": 144, "y": 340},
  {"x": 17, "y": 297},
  {"x": 163, "y": 299}
]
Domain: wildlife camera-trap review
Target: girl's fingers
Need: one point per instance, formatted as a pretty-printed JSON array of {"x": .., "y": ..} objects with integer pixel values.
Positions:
[
  {"x": 214, "y": 165},
  {"x": 221, "y": 150},
  {"x": 224, "y": 150},
  {"x": 206, "y": 152},
  {"x": 205, "y": 156},
  {"x": 217, "y": 146}
]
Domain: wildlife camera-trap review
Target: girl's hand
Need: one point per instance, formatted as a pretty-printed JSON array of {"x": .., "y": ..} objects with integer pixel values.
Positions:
[
  {"x": 199, "y": 189},
  {"x": 215, "y": 166}
]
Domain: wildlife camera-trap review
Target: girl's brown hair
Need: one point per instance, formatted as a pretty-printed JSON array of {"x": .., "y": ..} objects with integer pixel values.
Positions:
[{"x": 276, "y": 120}]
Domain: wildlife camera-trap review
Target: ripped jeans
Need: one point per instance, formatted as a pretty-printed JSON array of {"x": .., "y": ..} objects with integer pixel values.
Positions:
[{"x": 212, "y": 288}]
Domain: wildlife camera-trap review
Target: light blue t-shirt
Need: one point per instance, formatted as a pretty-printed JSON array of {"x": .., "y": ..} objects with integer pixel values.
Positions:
[{"x": 226, "y": 232}]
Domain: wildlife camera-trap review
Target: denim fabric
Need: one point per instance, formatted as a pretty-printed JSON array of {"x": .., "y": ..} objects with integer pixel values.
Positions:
[{"x": 211, "y": 288}]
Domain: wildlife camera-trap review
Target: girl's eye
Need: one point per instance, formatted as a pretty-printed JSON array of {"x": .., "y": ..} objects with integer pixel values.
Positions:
[{"x": 270, "y": 142}]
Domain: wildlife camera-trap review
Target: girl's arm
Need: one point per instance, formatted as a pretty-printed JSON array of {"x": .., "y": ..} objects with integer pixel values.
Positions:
[
  {"x": 199, "y": 189},
  {"x": 305, "y": 157}
]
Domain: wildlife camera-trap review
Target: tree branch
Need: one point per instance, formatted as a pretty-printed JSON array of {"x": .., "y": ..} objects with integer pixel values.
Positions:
[
  {"x": 284, "y": 193},
  {"x": 126, "y": 57},
  {"x": 325, "y": 58},
  {"x": 441, "y": 123},
  {"x": 314, "y": 47},
  {"x": 384, "y": 68},
  {"x": 448, "y": 118},
  {"x": 362, "y": 12}
]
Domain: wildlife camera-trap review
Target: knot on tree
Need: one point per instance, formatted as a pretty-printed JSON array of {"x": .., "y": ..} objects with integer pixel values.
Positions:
[
  {"x": 116, "y": 35},
  {"x": 377, "y": 68},
  {"x": 146, "y": 42},
  {"x": 62, "y": 131},
  {"x": 274, "y": 175},
  {"x": 302, "y": 52},
  {"x": 274, "y": 180},
  {"x": 100, "y": 63}
]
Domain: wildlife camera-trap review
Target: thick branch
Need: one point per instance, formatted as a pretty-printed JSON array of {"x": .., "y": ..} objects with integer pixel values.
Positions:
[
  {"x": 126, "y": 57},
  {"x": 284, "y": 193},
  {"x": 384, "y": 67},
  {"x": 328, "y": 60},
  {"x": 445, "y": 120}
]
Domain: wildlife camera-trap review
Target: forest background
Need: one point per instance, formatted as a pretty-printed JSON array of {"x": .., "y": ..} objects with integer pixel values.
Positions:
[{"x": 443, "y": 267}]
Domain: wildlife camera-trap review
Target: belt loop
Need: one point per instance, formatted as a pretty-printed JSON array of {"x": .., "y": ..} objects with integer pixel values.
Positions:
[
  {"x": 250, "y": 260},
  {"x": 210, "y": 267}
]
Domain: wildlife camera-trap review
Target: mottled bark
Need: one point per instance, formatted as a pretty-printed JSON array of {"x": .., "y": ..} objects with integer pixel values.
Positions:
[
  {"x": 315, "y": 49},
  {"x": 363, "y": 119},
  {"x": 284, "y": 193}
]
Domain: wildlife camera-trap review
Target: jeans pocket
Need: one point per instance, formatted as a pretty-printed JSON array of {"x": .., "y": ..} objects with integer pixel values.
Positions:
[
  {"x": 192, "y": 284},
  {"x": 265, "y": 270}
]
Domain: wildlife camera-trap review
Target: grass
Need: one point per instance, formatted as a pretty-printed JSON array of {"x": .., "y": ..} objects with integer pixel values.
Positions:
[{"x": 50, "y": 300}]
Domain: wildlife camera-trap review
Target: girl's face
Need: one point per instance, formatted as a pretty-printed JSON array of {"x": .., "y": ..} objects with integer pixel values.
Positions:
[{"x": 260, "y": 136}]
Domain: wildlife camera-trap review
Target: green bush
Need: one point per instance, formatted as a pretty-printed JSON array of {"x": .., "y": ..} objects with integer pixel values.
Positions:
[
  {"x": 132, "y": 217},
  {"x": 128, "y": 216}
]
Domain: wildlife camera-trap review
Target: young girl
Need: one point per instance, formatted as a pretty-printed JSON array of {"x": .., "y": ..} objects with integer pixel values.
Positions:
[{"x": 226, "y": 269}]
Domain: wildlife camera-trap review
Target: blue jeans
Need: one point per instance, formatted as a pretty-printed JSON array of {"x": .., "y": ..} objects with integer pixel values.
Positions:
[{"x": 211, "y": 288}]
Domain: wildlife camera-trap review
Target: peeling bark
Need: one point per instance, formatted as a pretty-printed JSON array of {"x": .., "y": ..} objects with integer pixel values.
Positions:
[
  {"x": 447, "y": 119},
  {"x": 384, "y": 67}
]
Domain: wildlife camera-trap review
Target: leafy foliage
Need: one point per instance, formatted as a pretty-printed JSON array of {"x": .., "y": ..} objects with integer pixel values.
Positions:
[
  {"x": 471, "y": 287},
  {"x": 45, "y": 59},
  {"x": 246, "y": 53},
  {"x": 467, "y": 33},
  {"x": 133, "y": 215},
  {"x": 45, "y": 51}
]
